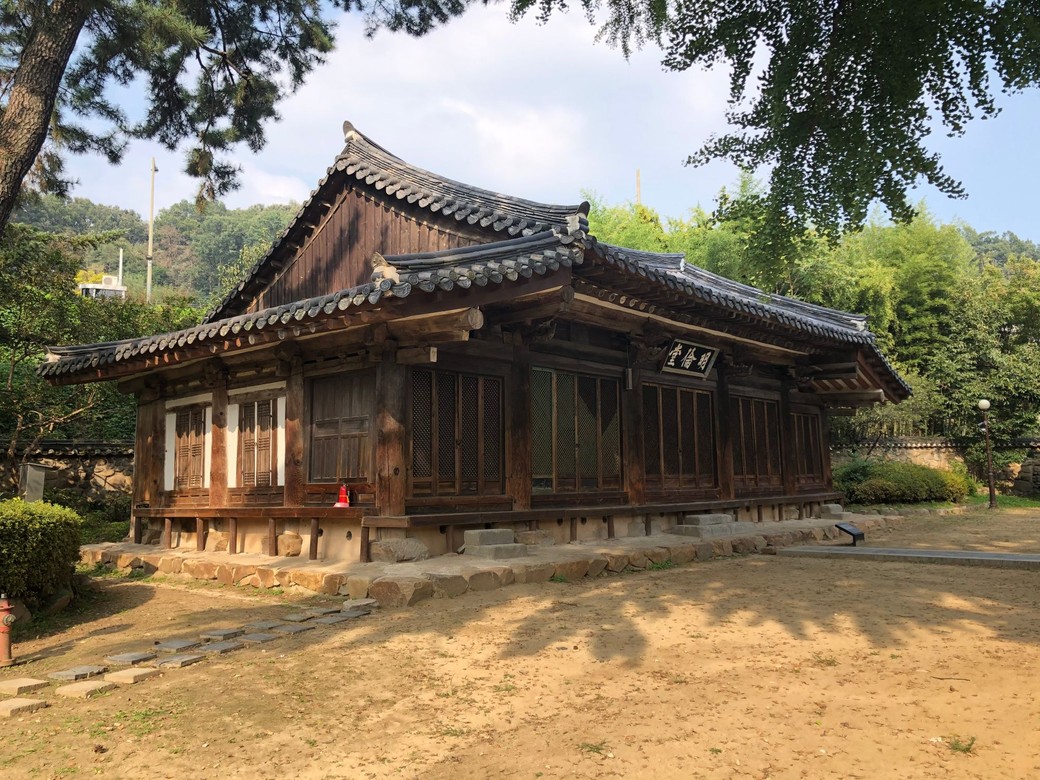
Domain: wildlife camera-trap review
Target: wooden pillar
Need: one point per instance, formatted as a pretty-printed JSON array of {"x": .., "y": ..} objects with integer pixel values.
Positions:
[
  {"x": 200, "y": 534},
  {"x": 232, "y": 540},
  {"x": 272, "y": 537},
  {"x": 518, "y": 430},
  {"x": 788, "y": 454},
  {"x": 312, "y": 553},
  {"x": 295, "y": 481},
  {"x": 218, "y": 476},
  {"x": 149, "y": 455},
  {"x": 825, "y": 447},
  {"x": 391, "y": 472},
  {"x": 167, "y": 534},
  {"x": 366, "y": 544},
  {"x": 724, "y": 444},
  {"x": 632, "y": 431}
]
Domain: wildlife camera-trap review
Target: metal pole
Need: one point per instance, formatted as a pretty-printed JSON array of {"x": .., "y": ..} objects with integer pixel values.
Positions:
[
  {"x": 989, "y": 462},
  {"x": 151, "y": 226}
]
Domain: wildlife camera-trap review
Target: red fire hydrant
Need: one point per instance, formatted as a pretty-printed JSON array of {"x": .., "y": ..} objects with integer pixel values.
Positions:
[{"x": 7, "y": 619}]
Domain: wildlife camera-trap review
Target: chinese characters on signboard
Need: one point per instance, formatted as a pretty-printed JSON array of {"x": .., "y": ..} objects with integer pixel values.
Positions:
[{"x": 683, "y": 357}]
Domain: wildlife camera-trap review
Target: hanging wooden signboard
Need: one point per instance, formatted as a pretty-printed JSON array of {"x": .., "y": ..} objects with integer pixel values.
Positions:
[{"x": 683, "y": 357}]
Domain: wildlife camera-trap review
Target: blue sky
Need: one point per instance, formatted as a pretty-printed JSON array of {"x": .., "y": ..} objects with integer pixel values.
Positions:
[{"x": 543, "y": 112}]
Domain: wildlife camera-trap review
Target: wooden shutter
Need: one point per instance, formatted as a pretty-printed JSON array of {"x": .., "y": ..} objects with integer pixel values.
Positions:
[{"x": 247, "y": 442}]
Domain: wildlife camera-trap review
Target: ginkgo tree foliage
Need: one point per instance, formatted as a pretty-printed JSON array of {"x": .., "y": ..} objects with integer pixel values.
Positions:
[{"x": 835, "y": 98}]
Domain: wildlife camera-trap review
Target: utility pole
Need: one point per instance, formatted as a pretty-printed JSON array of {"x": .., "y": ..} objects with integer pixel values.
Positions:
[
  {"x": 639, "y": 189},
  {"x": 151, "y": 228}
]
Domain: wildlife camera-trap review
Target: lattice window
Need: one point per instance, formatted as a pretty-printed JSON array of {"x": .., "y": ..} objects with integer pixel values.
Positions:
[
  {"x": 341, "y": 407},
  {"x": 679, "y": 437},
  {"x": 190, "y": 448},
  {"x": 575, "y": 432},
  {"x": 257, "y": 443},
  {"x": 808, "y": 449},
  {"x": 457, "y": 437},
  {"x": 756, "y": 443}
]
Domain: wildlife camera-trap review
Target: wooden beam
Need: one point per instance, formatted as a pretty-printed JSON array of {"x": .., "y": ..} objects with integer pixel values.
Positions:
[
  {"x": 459, "y": 321},
  {"x": 828, "y": 371},
  {"x": 853, "y": 397},
  {"x": 414, "y": 356}
]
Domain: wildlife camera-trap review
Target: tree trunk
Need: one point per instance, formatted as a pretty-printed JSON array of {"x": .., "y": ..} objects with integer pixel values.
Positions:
[{"x": 26, "y": 118}]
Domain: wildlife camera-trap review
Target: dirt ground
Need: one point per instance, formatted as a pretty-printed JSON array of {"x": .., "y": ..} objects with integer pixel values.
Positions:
[{"x": 757, "y": 667}]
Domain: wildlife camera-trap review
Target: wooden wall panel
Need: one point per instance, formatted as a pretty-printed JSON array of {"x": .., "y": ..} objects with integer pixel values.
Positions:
[{"x": 338, "y": 252}]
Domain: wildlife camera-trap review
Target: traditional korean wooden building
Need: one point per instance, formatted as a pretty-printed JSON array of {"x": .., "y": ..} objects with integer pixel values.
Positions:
[{"x": 460, "y": 358}]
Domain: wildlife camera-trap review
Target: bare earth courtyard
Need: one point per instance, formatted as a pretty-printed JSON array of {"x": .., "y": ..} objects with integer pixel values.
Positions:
[{"x": 758, "y": 666}]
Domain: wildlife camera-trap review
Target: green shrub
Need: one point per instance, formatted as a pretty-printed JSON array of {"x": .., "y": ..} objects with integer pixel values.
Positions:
[
  {"x": 39, "y": 548},
  {"x": 894, "y": 482}
]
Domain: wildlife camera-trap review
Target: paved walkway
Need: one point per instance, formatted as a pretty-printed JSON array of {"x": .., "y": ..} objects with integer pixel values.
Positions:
[
  {"x": 909, "y": 555},
  {"x": 404, "y": 584}
]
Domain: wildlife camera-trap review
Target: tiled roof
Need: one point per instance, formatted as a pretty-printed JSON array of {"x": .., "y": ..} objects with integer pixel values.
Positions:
[
  {"x": 673, "y": 272},
  {"x": 502, "y": 261},
  {"x": 374, "y": 167}
]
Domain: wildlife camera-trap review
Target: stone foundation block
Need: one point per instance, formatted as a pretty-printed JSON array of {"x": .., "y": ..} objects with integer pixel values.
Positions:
[
  {"x": 357, "y": 586},
  {"x": 486, "y": 536},
  {"x": 290, "y": 544},
  {"x": 483, "y": 579},
  {"x": 637, "y": 559},
  {"x": 399, "y": 550},
  {"x": 323, "y": 582},
  {"x": 722, "y": 548},
  {"x": 831, "y": 511},
  {"x": 596, "y": 567},
  {"x": 707, "y": 519},
  {"x": 544, "y": 538},
  {"x": 400, "y": 591},
  {"x": 616, "y": 562},
  {"x": 200, "y": 570},
  {"x": 572, "y": 571},
  {"x": 447, "y": 585},
  {"x": 496, "y": 551},
  {"x": 171, "y": 564},
  {"x": 533, "y": 572},
  {"x": 705, "y": 551},
  {"x": 682, "y": 553},
  {"x": 216, "y": 541},
  {"x": 657, "y": 555}
]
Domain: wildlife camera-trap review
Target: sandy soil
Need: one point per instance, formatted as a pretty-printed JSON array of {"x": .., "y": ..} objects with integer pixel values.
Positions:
[{"x": 757, "y": 667}]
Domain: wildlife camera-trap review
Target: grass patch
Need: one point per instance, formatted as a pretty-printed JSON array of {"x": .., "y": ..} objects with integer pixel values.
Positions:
[
  {"x": 1004, "y": 502},
  {"x": 651, "y": 566},
  {"x": 452, "y": 731},
  {"x": 959, "y": 745},
  {"x": 821, "y": 660},
  {"x": 599, "y": 748},
  {"x": 557, "y": 578}
]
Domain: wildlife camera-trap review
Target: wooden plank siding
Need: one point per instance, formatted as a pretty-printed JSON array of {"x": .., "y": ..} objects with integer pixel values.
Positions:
[{"x": 339, "y": 251}]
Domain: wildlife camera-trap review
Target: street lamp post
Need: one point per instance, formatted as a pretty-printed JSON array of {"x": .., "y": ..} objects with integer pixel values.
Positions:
[{"x": 984, "y": 408}]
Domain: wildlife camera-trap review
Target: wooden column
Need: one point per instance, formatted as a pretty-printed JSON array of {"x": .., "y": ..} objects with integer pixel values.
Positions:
[
  {"x": 295, "y": 480},
  {"x": 825, "y": 447},
  {"x": 724, "y": 444},
  {"x": 788, "y": 454},
  {"x": 149, "y": 454},
  {"x": 518, "y": 430},
  {"x": 218, "y": 476},
  {"x": 391, "y": 474},
  {"x": 632, "y": 431}
]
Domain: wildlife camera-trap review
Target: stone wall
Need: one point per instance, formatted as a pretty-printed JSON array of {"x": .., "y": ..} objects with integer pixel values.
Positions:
[
  {"x": 1027, "y": 481},
  {"x": 934, "y": 453},
  {"x": 93, "y": 469}
]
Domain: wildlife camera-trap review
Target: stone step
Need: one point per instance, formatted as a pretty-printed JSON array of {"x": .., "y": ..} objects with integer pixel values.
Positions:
[
  {"x": 707, "y": 519},
  {"x": 129, "y": 659},
  {"x": 79, "y": 673},
  {"x": 496, "y": 551},
  {"x": 178, "y": 661},
  {"x": 350, "y": 604},
  {"x": 258, "y": 638},
  {"x": 9, "y": 708},
  {"x": 719, "y": 530},
  {"x": 292, "y": 628},
  {"x": 131, "y": 676},
  {"x": 21, "y": 685},
  {"x": 832, "y": 512},
  {"x": 85, "y": 689},
  {"x": 176, "y": 645},
  {"x": 222, "y": 634},
  {"x": 487, "y": 536},
  {"x": 219, "y": 648}
]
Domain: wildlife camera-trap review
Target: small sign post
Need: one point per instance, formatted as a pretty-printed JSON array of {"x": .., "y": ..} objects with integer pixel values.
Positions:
[{"x": 684, "y": 357}]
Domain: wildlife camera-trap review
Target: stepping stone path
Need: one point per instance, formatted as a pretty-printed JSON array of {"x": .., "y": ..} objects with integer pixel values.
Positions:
[
  {"x": 85, "y": 689},
  {"x": 263, "y": 625},
  {"x": 257, "y": 632},
  {"x": 79, "y": 673},
  {"x": 258, "y": 638},
  {"x": 11, "y": 707},
  {"x": 129, "y": 659},
  {"x": 219, "y": 648},
  {"x": 221, "y": 634},
  {"x": 176, "y": 645},
  {"x": 131, "y": 676},
  {"x": 177, "y": 661},
  {"x": 331, "y": 620},
  {"x": 292, "y": 628},
  {"x": 20, "y": 685}
]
